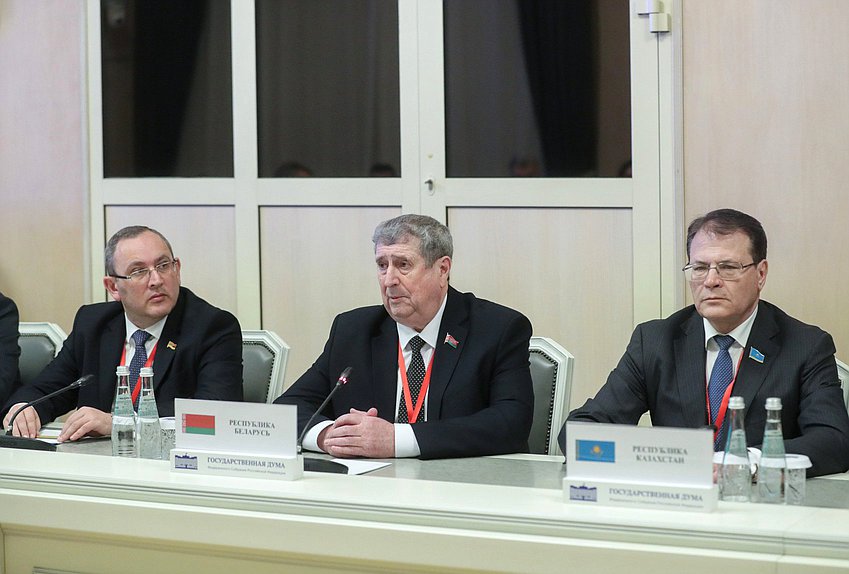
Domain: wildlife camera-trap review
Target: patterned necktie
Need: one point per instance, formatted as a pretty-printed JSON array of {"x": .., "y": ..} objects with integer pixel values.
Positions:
[
  {"x": 720, "y": 377},
  {"x": 139, "y": 357},
  {"x": 415, "y": 378}
]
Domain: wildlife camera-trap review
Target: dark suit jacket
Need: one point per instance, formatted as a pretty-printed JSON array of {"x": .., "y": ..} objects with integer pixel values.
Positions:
[
  {"x": 480, "y": 399},
  {"x": 204, "y": 363},
  {"x": 663, "y": 372},
  {"x": 10, "y": 378}
]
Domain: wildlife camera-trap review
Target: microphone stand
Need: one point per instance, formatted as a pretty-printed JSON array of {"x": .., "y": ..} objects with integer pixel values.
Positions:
[
  {"x": 320, "y": 464},
  {"x": 9, "y": 441}
]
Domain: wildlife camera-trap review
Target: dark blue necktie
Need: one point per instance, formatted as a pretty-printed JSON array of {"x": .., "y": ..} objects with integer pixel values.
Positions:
[
  {"x": 139, "y": 357},
  {"x": 720, "y": 377}
]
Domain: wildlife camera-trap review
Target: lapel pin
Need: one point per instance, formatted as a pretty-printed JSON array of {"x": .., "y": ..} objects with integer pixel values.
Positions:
[
  {"x": 172, "y": 345},
  {"x": 756, "y": 355},
  {"x": 451, "y": 341}
]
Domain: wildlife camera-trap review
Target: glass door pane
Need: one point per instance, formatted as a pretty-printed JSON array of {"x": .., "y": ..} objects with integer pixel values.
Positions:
[
  {"x": 167, "y": 96},
  {"x": 327, "y": 88},
  {"x": 537, "y": 89}
]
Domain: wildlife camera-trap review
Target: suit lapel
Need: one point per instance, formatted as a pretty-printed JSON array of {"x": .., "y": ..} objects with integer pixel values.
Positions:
[
  {"x": 752, "y": 373},
  {"x": 446, "y": 356},
  {"x": 690, "y": 369},
  {"x": 384, "y": 352},
  {"x": 111, "y": 345}
]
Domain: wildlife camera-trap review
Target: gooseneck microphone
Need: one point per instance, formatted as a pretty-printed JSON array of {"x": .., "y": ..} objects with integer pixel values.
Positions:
[
  {"x": 317, "y": 464},
  {"x": 342, "y": 380},
  {"x": 9, "y": 441}
]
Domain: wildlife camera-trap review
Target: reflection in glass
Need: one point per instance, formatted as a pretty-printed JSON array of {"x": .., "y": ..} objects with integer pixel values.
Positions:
[
  {"x": 327, "y": 88},
  {"x": 167, "y": 105},
  {"x": 536, "y": 88}
]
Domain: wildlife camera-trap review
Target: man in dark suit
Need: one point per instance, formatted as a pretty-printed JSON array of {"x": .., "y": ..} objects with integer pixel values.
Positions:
[
  {"x": 10, "y": 378},
  {"x": 195, "y": 349},
  {"x": 436, "y": 373},
  {"x": 668, "y": 368}
]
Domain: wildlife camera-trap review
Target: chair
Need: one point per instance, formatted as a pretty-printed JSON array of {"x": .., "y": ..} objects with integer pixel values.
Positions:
[
  {"x": 264, "y": 356},
  {"x": 551, "y": 373},
  {"x": 843, "y": 375},
  {"x": 39, "y": 343}
]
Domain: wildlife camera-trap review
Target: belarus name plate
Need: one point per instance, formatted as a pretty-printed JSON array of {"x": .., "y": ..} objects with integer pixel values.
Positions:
[{"x": 236, "y": 439}]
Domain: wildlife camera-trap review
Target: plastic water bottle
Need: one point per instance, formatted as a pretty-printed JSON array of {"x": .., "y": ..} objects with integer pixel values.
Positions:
[
  {"x": 150, "y": 439},
  {"x": 736, "y": 472},
  {"x": 773, "y": 463},
  {"x": 123, "y": 417}
]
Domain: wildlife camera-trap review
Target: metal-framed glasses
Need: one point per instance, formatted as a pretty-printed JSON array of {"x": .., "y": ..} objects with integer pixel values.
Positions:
[
  {"x": 140, "y": 275},
  {"x": 727, "y": 270}
]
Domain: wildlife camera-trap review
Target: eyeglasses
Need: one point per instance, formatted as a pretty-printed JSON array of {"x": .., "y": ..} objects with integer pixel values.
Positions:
[
  {"x": 140, "y": 275},
  {"x": 727, "y": 270}
]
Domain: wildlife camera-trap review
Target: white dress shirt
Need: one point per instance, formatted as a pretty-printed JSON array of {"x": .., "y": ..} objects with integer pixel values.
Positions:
[
  {"x": 741, "y": 338},
  {"x": 155, "y": 332}
]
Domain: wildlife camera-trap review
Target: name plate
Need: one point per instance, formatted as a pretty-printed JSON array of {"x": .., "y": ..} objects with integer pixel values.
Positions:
[
  {"x": 648, "y": 467},
  {"x": 236, "y": 439}
]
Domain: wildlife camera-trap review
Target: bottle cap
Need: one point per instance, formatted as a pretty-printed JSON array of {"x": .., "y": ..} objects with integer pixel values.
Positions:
[
  {"x": 773, "y": 403},
  {"x": 736, "y": 403},
  {"x": 146, "y": 372},
  {"x": 122, "y": 371}
]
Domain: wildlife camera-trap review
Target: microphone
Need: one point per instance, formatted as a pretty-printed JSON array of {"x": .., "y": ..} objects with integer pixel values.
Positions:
[
  {"x": 316, "y": 464},
  {"x": 9, "y": 441},
  {"x": 343, "y": 379}
]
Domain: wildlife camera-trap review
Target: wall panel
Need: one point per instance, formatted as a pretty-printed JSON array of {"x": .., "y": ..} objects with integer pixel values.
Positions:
[
  {"x": 42, "y": 158},
  {"x": 316, "y": 263},
  {"x": 766, "y": 111},
  {"x": 203, "y": 237},
  {"x": 568, "y": 270}
]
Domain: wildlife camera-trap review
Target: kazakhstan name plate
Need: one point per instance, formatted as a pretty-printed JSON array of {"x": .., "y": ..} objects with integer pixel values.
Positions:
[
  {"x": 647, "y": 467},
  {"x": 236, "y": 439}
]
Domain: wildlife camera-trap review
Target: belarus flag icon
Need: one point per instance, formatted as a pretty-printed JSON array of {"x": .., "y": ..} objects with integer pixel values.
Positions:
[{"x": 198, "y": 424}]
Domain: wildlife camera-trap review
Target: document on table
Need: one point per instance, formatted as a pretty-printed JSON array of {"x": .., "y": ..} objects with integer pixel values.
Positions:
[
  {"x": 360, "y": 466},
  {"x": 49, "y": 433}
]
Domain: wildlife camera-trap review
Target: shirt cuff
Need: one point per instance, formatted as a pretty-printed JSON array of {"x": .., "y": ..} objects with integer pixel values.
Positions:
[
  {"x": 311, "y": 438},
  {"x": 406, "y": 445}
]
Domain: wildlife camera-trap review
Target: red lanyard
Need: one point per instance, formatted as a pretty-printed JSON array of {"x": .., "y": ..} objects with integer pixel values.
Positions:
[
  {"x": 413, "y": 414},
  {"x": 723, "y": 406},
  {"x": 149, "y": 363}
]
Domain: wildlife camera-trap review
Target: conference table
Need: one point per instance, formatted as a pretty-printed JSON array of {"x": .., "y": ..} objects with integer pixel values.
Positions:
[{"x": 77, "y": 510}]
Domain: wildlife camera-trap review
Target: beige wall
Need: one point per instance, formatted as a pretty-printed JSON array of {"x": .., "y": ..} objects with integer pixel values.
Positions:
[
  {"x": 568, "y": 270},
  {"x": 42, "y": 158},
  {"x": 310, "y": 275},
  {"x": 766, "y": 124},
  {"x": 206, "y": 247}
]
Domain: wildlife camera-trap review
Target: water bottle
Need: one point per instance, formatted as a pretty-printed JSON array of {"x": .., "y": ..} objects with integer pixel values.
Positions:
[
  {"x": 150, "y": 440},
  {"x": 771, "y": 471},
  {"x": 123, "y": 417},
  {"x": 736, "y": 472}
]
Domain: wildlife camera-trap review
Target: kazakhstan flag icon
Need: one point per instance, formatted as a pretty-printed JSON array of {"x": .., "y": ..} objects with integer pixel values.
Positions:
[{"x": 595, "y": 450}]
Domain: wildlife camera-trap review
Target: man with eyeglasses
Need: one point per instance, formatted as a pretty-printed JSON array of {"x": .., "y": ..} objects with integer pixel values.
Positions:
[
  {"x": 195, "y": 349},
  {"x": 683, "y": 369}
]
